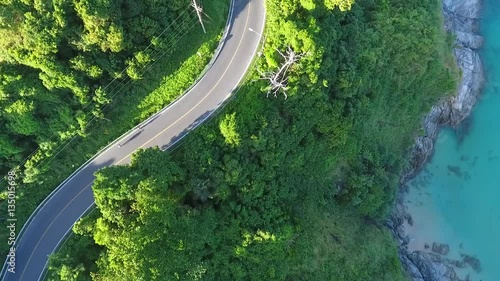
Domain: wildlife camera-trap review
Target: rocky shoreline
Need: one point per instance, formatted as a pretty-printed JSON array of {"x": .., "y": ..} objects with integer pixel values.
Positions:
[{"x": 461, "y": 18}]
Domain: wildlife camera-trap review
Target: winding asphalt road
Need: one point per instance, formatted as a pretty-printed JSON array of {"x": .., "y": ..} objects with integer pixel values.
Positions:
[{"x": 57, "y": 214}]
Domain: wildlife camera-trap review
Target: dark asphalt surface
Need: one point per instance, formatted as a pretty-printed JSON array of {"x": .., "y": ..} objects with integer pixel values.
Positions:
[{"x": 74, "y": 197}]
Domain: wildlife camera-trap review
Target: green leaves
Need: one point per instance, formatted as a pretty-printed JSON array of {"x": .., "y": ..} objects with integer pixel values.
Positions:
[
  {"x": 343, "y": 5},
  {"x": 61, "y": 53},
  {"x": 65, "y": 98},
  {"x": 138, "y": 64},
  {"x": 21, "y": 119},
  {"x": 7, "y": 148},
  {"x": 273, "y": 189},
  {"x": 75, "y": 261},
  {"x": 146, "y": 232},
  {"x": 229, "y": 130}
]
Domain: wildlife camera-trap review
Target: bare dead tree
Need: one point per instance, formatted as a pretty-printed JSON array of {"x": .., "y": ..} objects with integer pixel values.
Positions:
[
  {"x": 278, "y": 79},
  {"x": 199, "y": 11}
]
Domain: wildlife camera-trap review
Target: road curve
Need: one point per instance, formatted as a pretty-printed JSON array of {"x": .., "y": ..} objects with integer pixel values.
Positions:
[{"x": 55, "y": 217}]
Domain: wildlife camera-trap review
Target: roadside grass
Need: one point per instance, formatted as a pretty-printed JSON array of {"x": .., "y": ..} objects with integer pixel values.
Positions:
[
  {"x": 278, "y": 176},
  {"x": 164, "y": 82}
]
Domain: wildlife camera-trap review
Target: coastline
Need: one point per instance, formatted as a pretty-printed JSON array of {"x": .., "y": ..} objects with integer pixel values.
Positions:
[{"x": 461, "y": 18}]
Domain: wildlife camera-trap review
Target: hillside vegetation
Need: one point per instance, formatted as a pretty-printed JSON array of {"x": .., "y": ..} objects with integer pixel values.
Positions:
[
  {"x": 56, "y": 58},
  {"x": 68, "y": 88},
  {"x": 275, "y": 188}
]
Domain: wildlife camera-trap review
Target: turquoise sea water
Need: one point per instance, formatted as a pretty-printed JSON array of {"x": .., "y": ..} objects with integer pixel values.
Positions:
[{"x": 456, "y": 199}]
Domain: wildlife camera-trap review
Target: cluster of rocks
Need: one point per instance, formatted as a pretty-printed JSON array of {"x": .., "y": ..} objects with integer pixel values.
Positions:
[
  {"x": 461, "y": 19},
  {"x": 420, "y": 265},
  {"x": 432, "y": 264}
]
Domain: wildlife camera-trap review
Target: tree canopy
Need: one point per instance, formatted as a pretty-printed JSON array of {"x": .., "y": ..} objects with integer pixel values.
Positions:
[
  {"x": 56, "y": 58},
  {"x": 276, "y": 189}
]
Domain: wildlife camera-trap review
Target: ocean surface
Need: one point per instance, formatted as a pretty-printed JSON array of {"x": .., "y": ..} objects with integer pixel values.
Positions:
[{"x": 456, "y": 199}]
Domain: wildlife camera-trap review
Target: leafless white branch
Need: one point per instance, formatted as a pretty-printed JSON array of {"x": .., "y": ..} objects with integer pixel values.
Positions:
[{"x": 278, "y": 79}]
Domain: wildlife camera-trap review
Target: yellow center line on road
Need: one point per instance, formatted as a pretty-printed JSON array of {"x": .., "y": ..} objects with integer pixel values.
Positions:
[
  {"x": 209, "y": 92},
  {"x": 43, "y": 235}
]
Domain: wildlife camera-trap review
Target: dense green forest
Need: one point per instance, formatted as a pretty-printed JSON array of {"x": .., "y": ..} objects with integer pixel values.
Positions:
[
  {"x": 275, "y": 188},
  {"x": 56, "y": 59},
  {"x": 60, "y": 56}
]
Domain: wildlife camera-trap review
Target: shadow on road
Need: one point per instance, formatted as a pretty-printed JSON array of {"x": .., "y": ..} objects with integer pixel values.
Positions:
[
  {"x": 149, "y": 121},
  {"x": 133, "y": 137},
  {"x": 239, "y": 6},
  {"x": 176, "y": 139}
]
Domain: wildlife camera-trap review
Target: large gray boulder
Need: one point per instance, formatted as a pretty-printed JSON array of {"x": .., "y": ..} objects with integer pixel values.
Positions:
[{"x": 432, "y": 267}]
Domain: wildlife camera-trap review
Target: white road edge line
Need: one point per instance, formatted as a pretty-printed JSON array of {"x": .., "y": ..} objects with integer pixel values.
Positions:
[
  {"x": 117, "y": 140},
  {"x": 125, "y": 135},
  {"x": 42, "y": 277}
]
